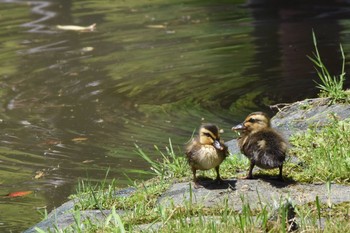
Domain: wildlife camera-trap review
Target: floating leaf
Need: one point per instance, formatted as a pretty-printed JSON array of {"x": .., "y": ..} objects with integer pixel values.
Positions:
[
  {"x": 39, "y": 174},
  {"x": 19, "y": 194},
  {"x": 25, "y": 122},
  {"x": 88, "y": 161},
  {"x": 90, "y": 28},
  {"x": 158, "y": 26},
  {"x": 79, "y": 139},
  {"x": 87, "y": 49}
]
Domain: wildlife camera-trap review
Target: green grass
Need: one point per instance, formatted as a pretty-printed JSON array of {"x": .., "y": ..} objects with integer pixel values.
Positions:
[
  {"x": 330, "y": 86},
  {"x": 101, "y": 197},
  {"x": 170, "y": 166},
  {"x": 323, "y": 153}
]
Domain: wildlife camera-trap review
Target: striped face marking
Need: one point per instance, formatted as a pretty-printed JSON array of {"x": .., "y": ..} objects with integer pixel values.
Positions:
[
  {"x": 209, "y": 134},
  {"x": 257, "y": 121}
]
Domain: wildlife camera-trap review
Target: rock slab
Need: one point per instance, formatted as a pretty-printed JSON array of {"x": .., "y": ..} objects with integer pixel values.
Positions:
[{"x": 268, "y": 191}]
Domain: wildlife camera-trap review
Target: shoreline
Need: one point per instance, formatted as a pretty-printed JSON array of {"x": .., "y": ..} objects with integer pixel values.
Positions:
[{"x": 291, "y": 119}]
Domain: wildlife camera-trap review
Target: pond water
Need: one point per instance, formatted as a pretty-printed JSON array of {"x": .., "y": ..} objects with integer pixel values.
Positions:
[{"x": 74, "y": 104}]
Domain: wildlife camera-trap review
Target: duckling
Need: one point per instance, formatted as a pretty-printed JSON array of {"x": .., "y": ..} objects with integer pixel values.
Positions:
[
  {"x": 261, "y": 144},
  {"x": 206, "y": 151}
]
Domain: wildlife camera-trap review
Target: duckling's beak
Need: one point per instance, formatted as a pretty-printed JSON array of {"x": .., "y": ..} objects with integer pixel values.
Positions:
[
  {"x": 239, "y": 127},
  {"x": 218, "y": 145}
]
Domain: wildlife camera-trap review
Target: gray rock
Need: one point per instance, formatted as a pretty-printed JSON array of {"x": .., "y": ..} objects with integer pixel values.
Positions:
[
  {"x": 66, "y": 219},
  {"x": 257, "y": 191},
  {"x": 299, "y": 116},
  {"x": 233, "y": 147},
  {"x": 64, "y": 216}
]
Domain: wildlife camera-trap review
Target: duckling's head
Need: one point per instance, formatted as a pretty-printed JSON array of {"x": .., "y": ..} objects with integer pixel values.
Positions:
[
  {"x": 254, "y": 122},
  {"x": 209, "y": 135}
]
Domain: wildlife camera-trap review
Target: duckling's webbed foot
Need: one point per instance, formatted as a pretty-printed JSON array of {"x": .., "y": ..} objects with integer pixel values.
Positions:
[{"x": 197, "y": 185}]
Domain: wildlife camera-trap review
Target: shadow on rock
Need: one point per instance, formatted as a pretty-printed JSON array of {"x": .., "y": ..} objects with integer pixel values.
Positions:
[
  {"x": 211, "y": 184},
  {"x": 275, "y": 181}
]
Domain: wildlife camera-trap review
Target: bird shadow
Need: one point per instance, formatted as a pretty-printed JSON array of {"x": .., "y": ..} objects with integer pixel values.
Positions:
[
  {"x": 210, "y": 184},
  {"x": 275, "y": 181}
]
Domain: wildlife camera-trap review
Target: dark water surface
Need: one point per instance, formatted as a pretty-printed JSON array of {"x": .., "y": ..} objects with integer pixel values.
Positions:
[{"x": 73, "y": 104}]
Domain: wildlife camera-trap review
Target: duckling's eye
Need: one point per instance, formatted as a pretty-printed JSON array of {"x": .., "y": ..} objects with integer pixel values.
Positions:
[
  {"x": 252, "y": 120},
  {"x": 207, "y": 134}
]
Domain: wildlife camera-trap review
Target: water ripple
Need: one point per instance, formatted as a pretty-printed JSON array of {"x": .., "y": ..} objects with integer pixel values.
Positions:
[{"x": 38, "y": 8}]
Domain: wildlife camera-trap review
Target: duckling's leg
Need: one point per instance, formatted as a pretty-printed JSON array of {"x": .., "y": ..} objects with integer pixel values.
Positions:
[
  {"x": 218, "y": 178},
  {"x": 280, "y": 177},
  {"x": 250, "y": 172},
  {"x": 194, "y": 174},
  {"x": 195, "y": 181}
]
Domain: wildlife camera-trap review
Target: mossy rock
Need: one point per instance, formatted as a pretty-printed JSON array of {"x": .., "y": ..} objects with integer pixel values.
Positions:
[{"x": 299, "y": 116}]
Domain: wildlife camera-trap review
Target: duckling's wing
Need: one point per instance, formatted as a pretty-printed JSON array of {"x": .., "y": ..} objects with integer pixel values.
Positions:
[
  {"x": 266, "y": 149},
  {"x": 191, "y": 149},
  {"x": 267, "y": 160}
]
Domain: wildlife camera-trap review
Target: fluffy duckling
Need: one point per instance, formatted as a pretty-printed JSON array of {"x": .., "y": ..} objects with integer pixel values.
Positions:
[
  {"x": 206, "y": 151},
  {"x": 262, "y": 145}
]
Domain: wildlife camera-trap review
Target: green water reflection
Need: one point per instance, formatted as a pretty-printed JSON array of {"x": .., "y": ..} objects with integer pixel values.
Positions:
[{"x": 73, "y": 104}]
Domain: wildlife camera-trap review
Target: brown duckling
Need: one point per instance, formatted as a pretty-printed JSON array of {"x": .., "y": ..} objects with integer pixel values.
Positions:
[
  {"x": 261, "y": 144},
  {"x": 206, "y": 151}
]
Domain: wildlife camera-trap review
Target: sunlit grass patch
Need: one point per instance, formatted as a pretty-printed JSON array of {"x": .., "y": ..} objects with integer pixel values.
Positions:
[
  {"x": 170, "y": 165},
  {"x": 316, "y": 217},
  {"x": 323, "y": 153},
  {"x": 234, "y": 164},
  {"x": 101, "y": 196},
  {"x": 219, "y": 218},
  {"x": 94, "y": 196}
]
